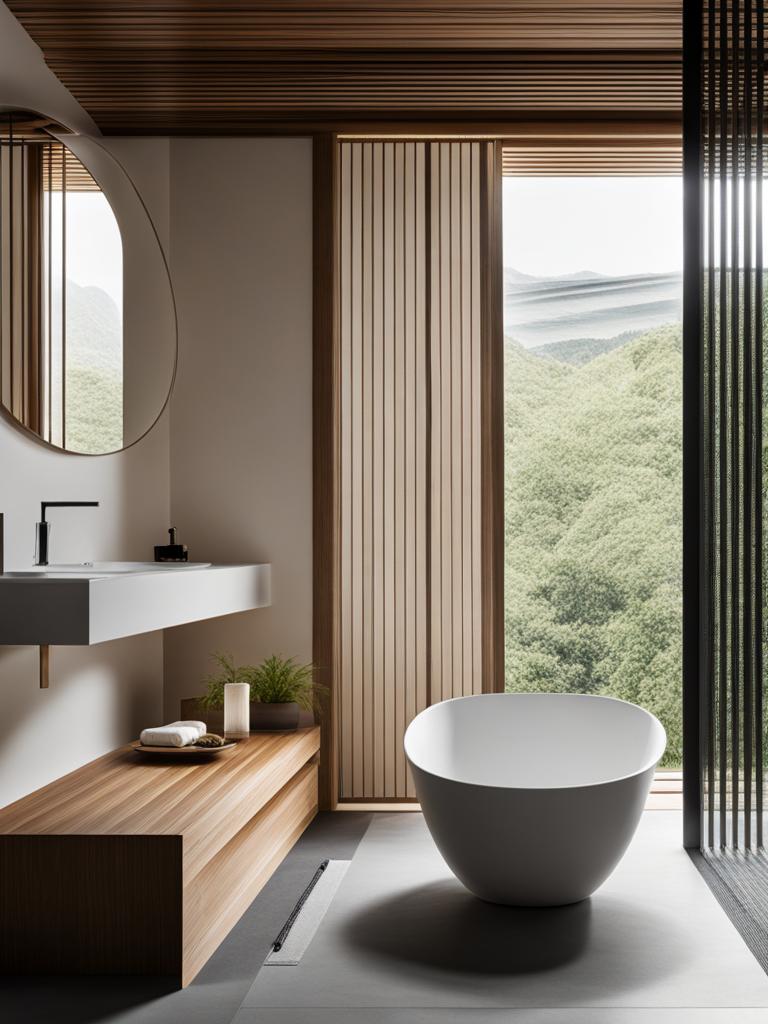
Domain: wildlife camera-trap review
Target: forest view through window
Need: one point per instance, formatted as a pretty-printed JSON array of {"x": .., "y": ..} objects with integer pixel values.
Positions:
[{"x": 593, "y": 440}]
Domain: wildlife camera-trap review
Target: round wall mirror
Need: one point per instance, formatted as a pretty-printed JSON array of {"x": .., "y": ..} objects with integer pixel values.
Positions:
[{"x": 87, "y": 315}]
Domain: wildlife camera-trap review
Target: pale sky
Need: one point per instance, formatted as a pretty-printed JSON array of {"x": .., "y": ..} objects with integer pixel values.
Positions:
[
  {"x": 614, "y": 226},
  {"x": 94, "y": 246}
]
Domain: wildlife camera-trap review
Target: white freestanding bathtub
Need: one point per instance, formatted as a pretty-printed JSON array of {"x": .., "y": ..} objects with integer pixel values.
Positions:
[{"x": 533, "y": 798}]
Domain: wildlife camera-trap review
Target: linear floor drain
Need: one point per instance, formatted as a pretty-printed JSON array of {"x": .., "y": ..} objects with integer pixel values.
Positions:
[{"x": 299, "y": 930}]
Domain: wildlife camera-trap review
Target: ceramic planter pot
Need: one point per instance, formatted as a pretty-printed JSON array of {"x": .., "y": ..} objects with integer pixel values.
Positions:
[
  {"x": 264, "y": 717},
  {"x": 274, "y": 717}
]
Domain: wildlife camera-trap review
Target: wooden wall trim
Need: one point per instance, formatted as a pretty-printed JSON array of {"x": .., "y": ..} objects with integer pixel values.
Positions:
[
  {"x": 325, "y": 519},
  {"x": 492, "y": 422}
]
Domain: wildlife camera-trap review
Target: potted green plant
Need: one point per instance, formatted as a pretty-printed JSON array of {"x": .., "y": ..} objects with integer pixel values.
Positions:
[
  {"x": 210, "y": 707},
  {"x": 281, "y": 688}
]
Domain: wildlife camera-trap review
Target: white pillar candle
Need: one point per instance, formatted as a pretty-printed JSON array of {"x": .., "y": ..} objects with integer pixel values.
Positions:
[{"x": 237, "y": 711}]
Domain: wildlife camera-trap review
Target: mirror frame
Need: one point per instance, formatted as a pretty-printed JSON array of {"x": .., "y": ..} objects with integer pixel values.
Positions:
[{"x": 5, "y": 413}]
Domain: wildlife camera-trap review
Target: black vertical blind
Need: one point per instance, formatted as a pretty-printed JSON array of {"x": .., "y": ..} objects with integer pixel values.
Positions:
[{"x": 728, "y": 281}]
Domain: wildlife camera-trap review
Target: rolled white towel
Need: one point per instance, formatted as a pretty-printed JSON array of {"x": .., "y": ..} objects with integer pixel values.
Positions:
[
  {"x": 201, "y": 727},
  {"x": 169, "y": 736}
]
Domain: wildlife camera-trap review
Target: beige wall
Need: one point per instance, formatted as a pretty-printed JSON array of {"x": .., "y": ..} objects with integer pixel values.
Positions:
[
  {"x": 99, "y": 696},
  {"x": 241, "y": 413},
  {"x": 230, "y": 464}
]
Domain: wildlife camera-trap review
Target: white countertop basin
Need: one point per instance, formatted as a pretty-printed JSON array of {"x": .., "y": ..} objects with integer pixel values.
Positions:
[
  {"x": 111, "y": 568},
  {"x": 105, "y": 568},
  {"x": 92, "y": 603}
]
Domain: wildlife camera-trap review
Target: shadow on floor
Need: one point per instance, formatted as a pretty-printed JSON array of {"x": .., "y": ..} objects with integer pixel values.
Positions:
[
  {"x": 442, "y": 926},
  {"x": 78, "y": 1000}
]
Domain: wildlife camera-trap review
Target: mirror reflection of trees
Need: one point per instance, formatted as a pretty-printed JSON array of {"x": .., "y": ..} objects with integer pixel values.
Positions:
[{"x": 61, "y": 327}]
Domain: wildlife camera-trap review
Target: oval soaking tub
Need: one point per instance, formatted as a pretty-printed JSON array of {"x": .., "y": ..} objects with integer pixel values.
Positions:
[{"x": 533, "y": 798}]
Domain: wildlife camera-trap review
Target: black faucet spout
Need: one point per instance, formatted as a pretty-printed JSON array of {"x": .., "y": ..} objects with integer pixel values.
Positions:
[{"x": 43, "y": 528}]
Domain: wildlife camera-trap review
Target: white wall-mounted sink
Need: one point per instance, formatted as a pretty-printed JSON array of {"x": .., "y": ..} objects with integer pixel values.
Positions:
[
  {"x": 89, "y": 604},
  {"x": 107, "y": 568}
]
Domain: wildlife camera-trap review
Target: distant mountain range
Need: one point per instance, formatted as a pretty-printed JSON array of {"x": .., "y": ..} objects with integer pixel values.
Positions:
[
  {"x": 580, "y": 351},
  {"x": 586, "y": 308},
  {"x": 94, "y": 328}
]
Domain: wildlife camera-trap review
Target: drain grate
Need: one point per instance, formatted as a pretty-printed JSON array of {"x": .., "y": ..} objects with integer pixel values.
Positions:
[{"x": 298, "y": 931}]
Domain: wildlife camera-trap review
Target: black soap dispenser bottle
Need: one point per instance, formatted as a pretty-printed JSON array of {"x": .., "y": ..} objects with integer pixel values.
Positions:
[{"x": 173, "y": 551}]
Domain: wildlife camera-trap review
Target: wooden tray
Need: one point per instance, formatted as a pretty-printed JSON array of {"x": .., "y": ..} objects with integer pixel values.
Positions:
[{"x": 191, "y": 750}]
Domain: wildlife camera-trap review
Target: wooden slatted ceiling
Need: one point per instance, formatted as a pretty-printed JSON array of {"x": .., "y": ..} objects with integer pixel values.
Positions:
[
  {"x": 185, "y": 66},
  {"x": 356, "y": 24},
  {"x": 573, "y": 159}
]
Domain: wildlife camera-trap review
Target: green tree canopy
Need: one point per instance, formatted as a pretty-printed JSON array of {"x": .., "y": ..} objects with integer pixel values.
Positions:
[{"x": 594, "y": 525}]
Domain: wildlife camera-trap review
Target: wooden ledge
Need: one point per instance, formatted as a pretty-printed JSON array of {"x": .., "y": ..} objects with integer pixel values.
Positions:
[{"x": 130, "y": 865}]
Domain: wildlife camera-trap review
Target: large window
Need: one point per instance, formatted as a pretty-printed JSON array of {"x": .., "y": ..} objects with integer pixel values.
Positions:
[{"x": 593, "y": 449}]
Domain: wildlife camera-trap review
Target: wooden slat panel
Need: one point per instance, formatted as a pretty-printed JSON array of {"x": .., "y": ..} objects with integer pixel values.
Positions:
[
  {"x": 325, "y": 520},
  {"x": 156, "y": 66},
  {"x": 402, "y": 428},
  {"x": 367, "y": 358},
  {"x": 491, "y": 403},
  {"x": 575, "y": 159},
  {"x": 13, "y": 273},
  {"x": 420, "y": 690},
  {"x": 410, "y": 446},
  {"x": 456, "y": 566},
  {"x": 383, "y": 526},
  {"x": 230, "y": 98},
  {"x": 440, "y": 649},
  {"x": 21, "y": 280},
  {"x": 192, "y": 25},
  {"x": 78, "y": 178},
  {"x": 477, "y": 292},
  {"x": 379, "y": 431},
  {"x": 390, "y": 437},
  {"x": 355, "y": 566},
  {"x": 346, "y": 668}
]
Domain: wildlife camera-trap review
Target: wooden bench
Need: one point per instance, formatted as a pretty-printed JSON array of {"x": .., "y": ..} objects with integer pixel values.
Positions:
[{"x": 136, "y": 866}]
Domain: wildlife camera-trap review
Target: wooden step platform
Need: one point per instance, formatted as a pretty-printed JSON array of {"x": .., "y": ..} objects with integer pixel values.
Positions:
[{"x": 136, "y": 866}]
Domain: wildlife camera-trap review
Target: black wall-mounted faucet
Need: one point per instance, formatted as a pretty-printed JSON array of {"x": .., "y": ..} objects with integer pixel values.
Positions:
[{"x": 43, "y": 528}]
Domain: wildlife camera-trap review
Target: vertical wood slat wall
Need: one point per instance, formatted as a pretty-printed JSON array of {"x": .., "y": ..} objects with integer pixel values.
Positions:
[
  {"x": 21, "y": 235},
  {"x": 410, "y": 553},
  {"x": 732, "y": 727},
  {"x": 455, "y": 322},
  {"x": 33, "y": 256}
]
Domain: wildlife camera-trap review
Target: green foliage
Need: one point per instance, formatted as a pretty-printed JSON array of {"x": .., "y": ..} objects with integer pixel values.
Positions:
[
  {"x": 94, "y": 371},
  {"x": 276, "y": 680},
  {"x": 282, "y": 681},
  {"x": 593, "y": 525},
  {"x": 94, "y": 410},
  {"x": 229, "y": 672},
  {"x": 579, "y": 351}
]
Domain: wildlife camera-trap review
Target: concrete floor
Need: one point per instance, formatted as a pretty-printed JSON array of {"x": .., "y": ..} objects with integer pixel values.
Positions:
[{"x": 403, "y": 942}]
